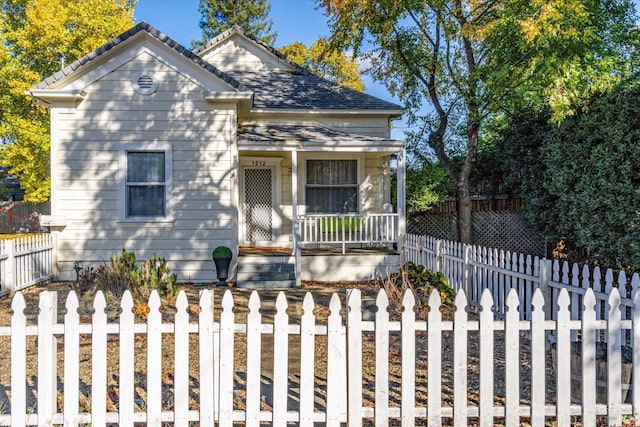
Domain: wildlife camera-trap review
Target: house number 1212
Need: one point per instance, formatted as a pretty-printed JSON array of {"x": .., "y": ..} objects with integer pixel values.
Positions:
[{"x": 259, "y": 163}]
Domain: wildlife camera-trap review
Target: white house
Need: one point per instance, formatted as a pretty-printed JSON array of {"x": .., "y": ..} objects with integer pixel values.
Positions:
[{"x": 159, "y": 149}]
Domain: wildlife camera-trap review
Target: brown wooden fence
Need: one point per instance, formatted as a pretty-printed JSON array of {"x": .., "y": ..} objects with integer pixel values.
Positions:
[
  {"x": 481, "y": 204},
  {"x": 22, "y": 217}
]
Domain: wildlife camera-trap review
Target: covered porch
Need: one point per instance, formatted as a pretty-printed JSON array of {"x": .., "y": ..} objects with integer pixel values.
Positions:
[{"x": 312, "y": 194}]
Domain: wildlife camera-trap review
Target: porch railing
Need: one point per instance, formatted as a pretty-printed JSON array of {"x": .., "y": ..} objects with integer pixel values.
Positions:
[{"x": 344, "y": 229}]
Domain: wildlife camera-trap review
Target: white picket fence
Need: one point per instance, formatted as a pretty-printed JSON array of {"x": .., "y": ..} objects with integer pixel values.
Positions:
[
  {"x": 465, "y": 369},
  {"x": 476, "y": 268},
  {"x": 25, "y": 261}
]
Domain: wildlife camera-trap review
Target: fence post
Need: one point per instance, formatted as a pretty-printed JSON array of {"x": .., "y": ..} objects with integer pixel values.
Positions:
[
  {"x": 438, "y": 256},
  {"x": 10, "y": 266},
  {"x": 467, "y": 269},
  {"x": 545, "y": 274}
]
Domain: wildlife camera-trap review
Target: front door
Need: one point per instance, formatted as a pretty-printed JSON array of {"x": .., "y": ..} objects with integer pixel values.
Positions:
[{"x": 261, "y": 221}]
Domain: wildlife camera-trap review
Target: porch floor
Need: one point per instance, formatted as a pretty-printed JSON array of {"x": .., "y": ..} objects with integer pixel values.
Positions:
[{"x": 316, "y": 251}]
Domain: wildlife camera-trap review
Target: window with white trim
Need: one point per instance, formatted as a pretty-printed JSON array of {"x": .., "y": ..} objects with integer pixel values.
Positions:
[
  {"x": 331, "y": 186},
  {"x": 145, "y": 181}
]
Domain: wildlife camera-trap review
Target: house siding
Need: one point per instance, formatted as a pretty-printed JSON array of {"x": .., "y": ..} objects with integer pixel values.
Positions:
[{"x": 85, "y": 146}]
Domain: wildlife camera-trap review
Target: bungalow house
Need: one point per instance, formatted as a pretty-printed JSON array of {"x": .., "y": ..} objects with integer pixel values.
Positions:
[{"x": 159, "y": 149}]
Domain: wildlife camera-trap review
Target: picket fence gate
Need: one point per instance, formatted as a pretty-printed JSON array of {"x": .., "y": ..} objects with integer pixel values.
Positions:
[{"x": 434, "y": 357}]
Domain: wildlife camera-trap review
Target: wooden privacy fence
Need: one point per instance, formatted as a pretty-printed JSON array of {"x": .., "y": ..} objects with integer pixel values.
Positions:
[
  {"x": 370, "y": 363},
  {"x": 25, "y": 261},
  {"x": 476, "y": 268},
  {"x": 22, "y": 217}
]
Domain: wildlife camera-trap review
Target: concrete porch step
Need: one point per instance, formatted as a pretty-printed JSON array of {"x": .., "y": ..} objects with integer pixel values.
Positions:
[
  {"x": 265, "y": 275},
  {"x": 265, "y": 272},
  {"x": 266, "y": 284}
]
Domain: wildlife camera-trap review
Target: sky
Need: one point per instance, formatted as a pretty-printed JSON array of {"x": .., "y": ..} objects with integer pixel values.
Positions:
[{"x": 294, "y": 20}]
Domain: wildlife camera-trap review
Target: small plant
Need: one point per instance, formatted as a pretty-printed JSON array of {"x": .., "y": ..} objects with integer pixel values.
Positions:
[
  {"x": 154, "y": 274},
  {"x": 422, "y": 282},
  {"x": 124, "y": 274},
  {"x": 221, "y": 252}
]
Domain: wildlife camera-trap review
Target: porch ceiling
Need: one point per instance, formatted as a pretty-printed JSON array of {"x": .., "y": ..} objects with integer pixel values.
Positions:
[{"x": 310, "y": 138}]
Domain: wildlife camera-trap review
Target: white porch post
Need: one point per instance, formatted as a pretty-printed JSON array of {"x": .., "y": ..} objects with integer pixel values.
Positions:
[
  {"x": 297, "y": 239},
  {"x": 402, "y": 198}
]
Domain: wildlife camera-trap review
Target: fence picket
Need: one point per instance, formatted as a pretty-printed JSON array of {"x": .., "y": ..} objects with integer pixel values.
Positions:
[
  {"x": 280, "y": 361},
  {"x": 408, "y": 403},
  {"x": 354, "y": 357},
  {"x": 46, "y": 381},
  {"x": 208, "y": 393},
  {"x": 382, "y": 360},
  {"x": 460, "y": 360},
  {"x": 563, "y": 365},
  {"x": 254, "y": 353},
  {"x": 127, "y": 361},
  {"x": 486, "y": 359},
  {"x": 99, "y": 362},
  {"x": 614, "y": 359},
  {"x": 181, "y": 362},
  {"x": 512, "y": 360},
  {"x": 227, "y": 323},
  {"x": 538, "y": 363},
  {"x": 589, "y": 360},
  {"x": 434, "y": 360},
  {"x": 18, "y": 361},
  {"x": 307, "y": 355},
  {"x": 154, "y": 361},
  {"x": 336, "y": 366},
  {"x": 636, "y": 348},
  {"x": 71, "y": 360}
]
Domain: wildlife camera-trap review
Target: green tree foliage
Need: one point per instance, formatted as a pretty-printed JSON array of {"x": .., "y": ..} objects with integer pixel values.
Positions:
[
  {"x": 427, "y": 184},
  {"x": 327, "y": 62},
  {"x": 468, "y": 60},
  {"x": 217, "y": 16},
  {"x": 580, "y": 179},
  {"x": 34, "y": 37}
]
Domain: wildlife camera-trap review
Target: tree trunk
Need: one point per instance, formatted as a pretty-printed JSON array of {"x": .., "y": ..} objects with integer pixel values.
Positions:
[{"x": 465, "y": 225}]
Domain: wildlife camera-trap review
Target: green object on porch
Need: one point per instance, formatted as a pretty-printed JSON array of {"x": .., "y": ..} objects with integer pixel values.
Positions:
[
  {"x": 222, "y": 259},
  {"x": 337, "y": 225},
  {"x": 222, "y": 252}
]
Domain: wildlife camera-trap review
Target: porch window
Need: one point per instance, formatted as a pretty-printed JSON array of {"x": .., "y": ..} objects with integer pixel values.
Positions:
[
  {"x": 332, "y": 186},
  {"x": 145, "y": 182}
]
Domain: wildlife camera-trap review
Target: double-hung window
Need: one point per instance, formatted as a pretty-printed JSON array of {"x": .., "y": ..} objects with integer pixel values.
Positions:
[
  {"x": 145, "y": 182},
  {"x": 331, "y": 186}
]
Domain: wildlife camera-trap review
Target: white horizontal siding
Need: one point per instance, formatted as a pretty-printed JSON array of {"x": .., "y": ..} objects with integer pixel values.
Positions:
[
  {"x": 86, "y": 171},
  {"x": 238, "y": 54}
]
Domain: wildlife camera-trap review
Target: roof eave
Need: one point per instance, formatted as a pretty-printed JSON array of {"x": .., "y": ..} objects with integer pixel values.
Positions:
[
  {"x": 56, "y": 95},
  {"x": 394, "y": 113}
]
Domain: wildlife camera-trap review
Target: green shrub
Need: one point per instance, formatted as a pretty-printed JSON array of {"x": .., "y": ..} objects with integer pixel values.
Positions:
[
  {"x": 124, "y": 274},
  {"x": 222, "y": 252},
  {"x": 422, "y": 282}
]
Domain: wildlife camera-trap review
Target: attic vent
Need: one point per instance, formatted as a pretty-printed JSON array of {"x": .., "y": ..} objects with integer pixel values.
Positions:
[{"x": 145, "y": 83}]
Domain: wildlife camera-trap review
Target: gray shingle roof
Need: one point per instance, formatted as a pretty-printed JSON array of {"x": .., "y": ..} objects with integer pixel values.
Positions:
[
  {"x": 274, "y": 134},
  {"x": 285, "y": 90},
  {"x": 142, "y": 26},
  {"x": 299, "y": 89}
]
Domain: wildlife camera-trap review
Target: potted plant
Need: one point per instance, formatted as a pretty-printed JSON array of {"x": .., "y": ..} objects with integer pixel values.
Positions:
[{"x": 222, "y": 258}]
